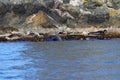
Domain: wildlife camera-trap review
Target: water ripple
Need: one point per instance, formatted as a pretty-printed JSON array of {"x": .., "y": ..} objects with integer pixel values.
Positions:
[{"x": 72, "y": 60}]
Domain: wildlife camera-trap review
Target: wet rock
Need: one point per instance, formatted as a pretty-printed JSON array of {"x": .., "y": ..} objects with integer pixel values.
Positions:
[
  {"x": 3, "y": 39},
  {"x": 16, "y": 36},
  {"x": 56, "y": 38},
  {"x": 9, "y": 37},
  {"x": 53, "y": 38},
  {"x": 13, "y": 37},
  {"x": 31, "y": 38}
]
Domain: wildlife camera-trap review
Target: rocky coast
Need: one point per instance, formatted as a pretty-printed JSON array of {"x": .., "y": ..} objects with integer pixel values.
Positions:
[{"x": 59, "y": 21}]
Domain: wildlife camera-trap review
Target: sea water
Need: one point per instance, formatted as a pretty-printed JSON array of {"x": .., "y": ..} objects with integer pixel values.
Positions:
[{"x": 64, "y": 60}]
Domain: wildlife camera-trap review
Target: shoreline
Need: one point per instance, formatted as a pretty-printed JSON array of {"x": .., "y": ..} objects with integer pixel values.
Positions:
[
  {"x": 56, "y": 21},
  {"x": 64, "y": 34}
]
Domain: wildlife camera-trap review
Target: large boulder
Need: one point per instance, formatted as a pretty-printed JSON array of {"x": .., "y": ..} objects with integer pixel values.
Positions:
[
  {"x": 100, "y": 15},
  {"x": 36, "y": 19},
  {"x": 40, "y": 19}
]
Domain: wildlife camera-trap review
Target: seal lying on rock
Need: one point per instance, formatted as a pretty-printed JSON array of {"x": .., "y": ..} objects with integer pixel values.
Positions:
[{"x": 98, "y": 34}]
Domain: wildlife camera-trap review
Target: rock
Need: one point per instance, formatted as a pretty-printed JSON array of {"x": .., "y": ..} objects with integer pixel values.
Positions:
[
  {"x": 36, "y": 19},
  {"x": 13, "y": 37},
  {"x": 56, "y": 18},
  {"x": 31, "y": 38},
  {"x": 31, "y": 33},
  {"x": 44, "y": 20},
  {"x": 85, "y": 33},
  {"x": 49, "y": 3},
  {"x": 100, "y": 15},
  {"x": 31, "y": 8},
  {"x": 7, "y": 29},
  {"x": 10, "y": 37},
  {"x": 66, "y": 1},
  {"x": 114, "y": 12},
  {"x": 19, "y": 9},
  {"x": 85, "y": 12},
  {"x": 4, "y": 8},
  {"x": 115, "y": 21},
  {"x": 76, "y": 2},
  {"x": 4, "y": 35},
  {"x": 52, "y": 16},
  {"x": 116, "y": 4},
  {"x": 56, "y": 38},
  {"x": 93, "y": 4}
]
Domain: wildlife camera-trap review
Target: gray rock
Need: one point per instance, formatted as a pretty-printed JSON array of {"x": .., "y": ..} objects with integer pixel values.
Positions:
[
  {"x": 116, "y": 4},
  {"x": 100, "y": 15},
  {"x": 49, "y": 3}
]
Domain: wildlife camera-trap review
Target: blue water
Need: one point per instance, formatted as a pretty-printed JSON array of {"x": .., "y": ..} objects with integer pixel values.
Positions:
[{"x": 67, "y": 60}]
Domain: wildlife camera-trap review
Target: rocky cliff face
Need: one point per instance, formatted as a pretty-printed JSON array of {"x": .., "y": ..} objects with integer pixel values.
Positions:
[
  {"x": 99, "y": 12},
  {"x": 39, "y": 20},
  {"x": 77, "y": 13}
]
